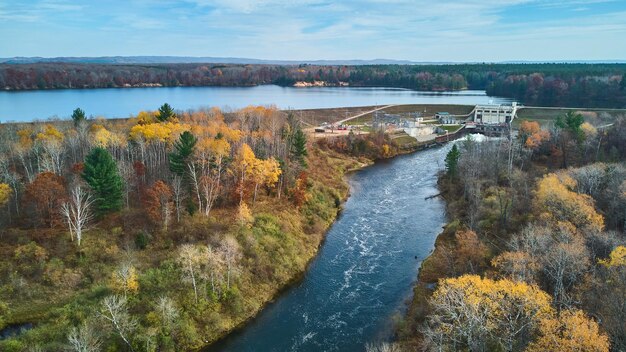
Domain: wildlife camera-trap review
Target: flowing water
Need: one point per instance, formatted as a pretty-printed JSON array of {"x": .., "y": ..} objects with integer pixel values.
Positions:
[
  {"x": 365, "y": 270},
  {"x": 122, "y": 102}
]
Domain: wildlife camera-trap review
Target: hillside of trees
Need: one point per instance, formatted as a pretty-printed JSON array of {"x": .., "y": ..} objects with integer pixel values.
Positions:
[
  {"x": 573, "y": 85},
  {"x": 533, "y": 258},
  {"x": 162, "y": 232}
]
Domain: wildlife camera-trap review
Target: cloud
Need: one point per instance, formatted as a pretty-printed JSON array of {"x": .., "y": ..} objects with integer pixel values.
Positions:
[{"x": 311, "y": 29}]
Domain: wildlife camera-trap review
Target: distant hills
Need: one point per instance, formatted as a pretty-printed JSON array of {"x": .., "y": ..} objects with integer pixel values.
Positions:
[
  {"x": 236, "y": 60},
  {"x": 190, "y": 59}
]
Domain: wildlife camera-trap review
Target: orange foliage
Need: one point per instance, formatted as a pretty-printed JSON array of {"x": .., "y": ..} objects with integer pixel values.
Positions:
[
  {"x": 46, "y": 193},
  {"x": 158, "y": 202},
  {"x": 299, "y": 194}
]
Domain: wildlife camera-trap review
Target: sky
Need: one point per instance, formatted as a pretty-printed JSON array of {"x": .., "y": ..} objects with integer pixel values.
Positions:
[{"x": 416, "y": 30}]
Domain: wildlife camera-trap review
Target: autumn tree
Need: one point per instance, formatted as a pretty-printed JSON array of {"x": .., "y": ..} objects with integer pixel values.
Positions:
[
  {"x": 246, "y": 162},
  {"x": 531, "y": 135},
  {"x": 165, "y": 113},
  {"x": 244, "y": 215},
  {"x": 571, "y": 330},
  {"x": 299, "y": 194},
  {"x": 49, "y": 148},
  {"x": 5, "y": 193},
  {"x": 473, "y": 313},
  {"x": 265, "y": 172},
  {"x": 124, "y": 279},
  {"x": 555, "y": 200},
  {"x": 101, "y": 174},
  {"x": 46, "y": 193},
  {"x": 77, "y": 212},
  {"x": 159, "y": 203}
]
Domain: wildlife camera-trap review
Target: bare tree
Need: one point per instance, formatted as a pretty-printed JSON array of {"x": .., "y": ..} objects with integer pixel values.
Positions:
[
  {"x": 168, "y": 310},
  {"x": 178, "y": 191},
  {"x": 115, "y": 311},
  {"x": 383, "y": 347},
  {"x": 190, "y": 258},
  {"x": 84, "y": 338},
  {"x": 77, "y": 212},
  {"x": 232, "y": 252},
  {"x": 215, "y": 264}
]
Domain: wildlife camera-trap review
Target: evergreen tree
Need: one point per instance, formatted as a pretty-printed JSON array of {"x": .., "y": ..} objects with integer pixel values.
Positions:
[
  {"x": 452, "y": 161},
  {"x": 622, "y": 84},
  {"x": 78, "y": 115},
  {"x": 101, "y": 174},
  {"x": 572, "y": 122},
  {"x": 166, "y": 112},
  {"x": 298, "y": 147},
  {"x": 183, "y": 149}
]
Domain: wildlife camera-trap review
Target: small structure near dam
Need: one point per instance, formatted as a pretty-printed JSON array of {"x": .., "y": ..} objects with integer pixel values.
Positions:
[{"x": 492, "y": 119}]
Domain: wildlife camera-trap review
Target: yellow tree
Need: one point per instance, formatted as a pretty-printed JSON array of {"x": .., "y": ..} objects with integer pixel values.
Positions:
[
  {"x": 473, "y": 313},
  {"x": 556, "y": 201},
  {"x": 246, "y": 162},
  {"x": 5, "y": 193},
  {"x": 616, "y": 258},
  {"x": 265, "y": 172},
  {"x": 211, "y": 155},
  {"x": 124, "y": 279},
  {"x": 51, "y": 141},
  {"x": 22, "y": 149},
  {"x": 570, "y": 331}
]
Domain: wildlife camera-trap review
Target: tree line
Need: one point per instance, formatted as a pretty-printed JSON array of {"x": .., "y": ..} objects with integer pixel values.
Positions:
[{"x": 576, "y": 85}]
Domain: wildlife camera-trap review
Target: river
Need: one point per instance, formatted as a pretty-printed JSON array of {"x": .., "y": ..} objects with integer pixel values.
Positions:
[
  {"x": 365, "y": 271},
  {"x": 122, "y": 102}
]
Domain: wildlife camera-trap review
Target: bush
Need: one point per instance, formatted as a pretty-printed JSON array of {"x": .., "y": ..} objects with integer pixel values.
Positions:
[{"x": 141, "y": 240}]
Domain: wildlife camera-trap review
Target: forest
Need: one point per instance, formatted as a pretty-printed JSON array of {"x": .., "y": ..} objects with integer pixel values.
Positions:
[
  {"x": 567, "y": 85},
  {"x": 534, "y": 255},
  {"x": 161, "y": 232}
]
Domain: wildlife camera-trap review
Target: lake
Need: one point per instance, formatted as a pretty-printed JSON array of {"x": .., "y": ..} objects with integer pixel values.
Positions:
[
  {"x": 122, "y": 102},
  {"x": 365, "y": 271}
]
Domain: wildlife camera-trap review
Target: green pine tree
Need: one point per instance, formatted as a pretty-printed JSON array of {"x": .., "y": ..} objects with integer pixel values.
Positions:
[
  {"x": 452, "y": 161},
  {"x": 101, "y": 174},
  {"x": 78, "y": 115},
  {"x": 572, "y": 122},
  {"x": 183, "y": 149},
  {"x": 298, "y": 147},
  {"x": 166, "y": 112}
]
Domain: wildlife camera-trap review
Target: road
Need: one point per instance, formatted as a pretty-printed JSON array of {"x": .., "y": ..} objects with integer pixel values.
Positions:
[{"x": 341, "y": 122}]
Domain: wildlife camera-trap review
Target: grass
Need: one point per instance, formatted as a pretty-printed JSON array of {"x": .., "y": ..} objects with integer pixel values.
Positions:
[
  {"x": 450, "y": 128},
  {"x": 546, "y": 116}
]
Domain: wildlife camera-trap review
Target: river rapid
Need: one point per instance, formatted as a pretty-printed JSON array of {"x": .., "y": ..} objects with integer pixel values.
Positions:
[{"x": 364, "y": 272}]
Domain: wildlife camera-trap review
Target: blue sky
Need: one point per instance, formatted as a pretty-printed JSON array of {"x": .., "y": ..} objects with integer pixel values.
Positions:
[{"x": 419, "y": 30}]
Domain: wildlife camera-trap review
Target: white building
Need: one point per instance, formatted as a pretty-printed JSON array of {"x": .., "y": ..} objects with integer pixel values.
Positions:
[{"x": 493, "y": 114}]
